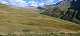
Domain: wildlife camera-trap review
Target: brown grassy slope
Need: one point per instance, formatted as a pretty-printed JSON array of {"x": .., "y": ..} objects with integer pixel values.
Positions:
[{"x": 25, "y": 20}]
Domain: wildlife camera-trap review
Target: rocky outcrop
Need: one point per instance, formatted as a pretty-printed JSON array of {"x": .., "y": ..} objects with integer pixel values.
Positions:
[
  {"x": 66, "y": 9},
  {"x": 73, "y": 12}
]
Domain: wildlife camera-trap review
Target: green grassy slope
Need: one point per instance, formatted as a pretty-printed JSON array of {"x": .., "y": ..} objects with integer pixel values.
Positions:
[{"x": 26, "y": 20}]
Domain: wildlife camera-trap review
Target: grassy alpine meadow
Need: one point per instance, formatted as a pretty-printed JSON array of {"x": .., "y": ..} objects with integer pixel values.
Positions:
[{"x": 29, "y": 22}]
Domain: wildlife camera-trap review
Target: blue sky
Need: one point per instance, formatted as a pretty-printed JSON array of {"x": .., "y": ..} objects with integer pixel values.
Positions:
[{"x": 24, "y": 3}]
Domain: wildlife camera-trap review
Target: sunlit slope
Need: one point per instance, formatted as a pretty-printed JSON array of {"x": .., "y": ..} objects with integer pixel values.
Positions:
[{"x": 25, "y": 20}]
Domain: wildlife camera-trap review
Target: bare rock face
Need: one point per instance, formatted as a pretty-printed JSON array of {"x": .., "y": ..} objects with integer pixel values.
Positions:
[
  {"x": 66, "y": 9},
  {"x": 73, "y": 12},
  {"x": 56, "y": 10}
]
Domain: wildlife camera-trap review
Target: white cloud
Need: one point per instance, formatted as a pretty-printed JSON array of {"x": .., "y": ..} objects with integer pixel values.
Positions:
[
  {"x": 21, "y": 3},
  {"x": 41, "y": 4},
  {"x": 3, "y": 2},
  {"x": 33, "y": 3},
  {"x": 48, "y": 2}
]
